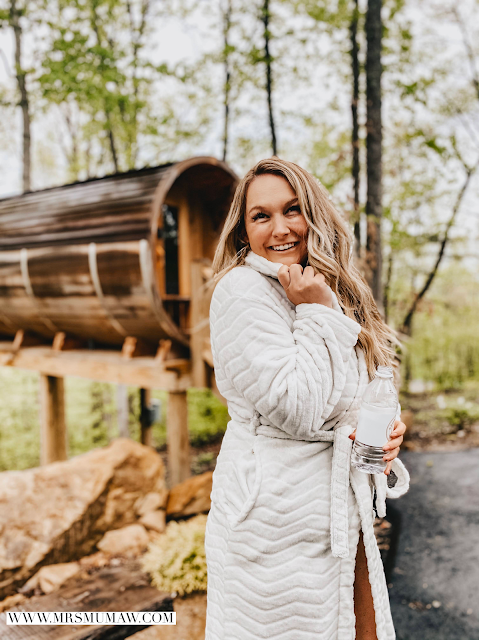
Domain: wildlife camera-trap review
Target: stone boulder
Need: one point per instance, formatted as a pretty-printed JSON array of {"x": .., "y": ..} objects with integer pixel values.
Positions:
[
  {"x": 58, "y": 513},
  {"x": 190, "y": 497},
  {"x": 151, "y": 502},
  {"x": 128, "y": 541},
  {"x": 51, "y": 577},
  {"x": 154, "y": 520}
]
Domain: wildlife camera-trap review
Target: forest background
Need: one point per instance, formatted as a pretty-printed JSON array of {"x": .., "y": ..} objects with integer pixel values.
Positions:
[{"x": 93, "y": 87}]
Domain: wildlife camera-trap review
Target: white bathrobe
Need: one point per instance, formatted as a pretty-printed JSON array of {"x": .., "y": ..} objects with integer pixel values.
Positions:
[{"x": 287, "y": 508}]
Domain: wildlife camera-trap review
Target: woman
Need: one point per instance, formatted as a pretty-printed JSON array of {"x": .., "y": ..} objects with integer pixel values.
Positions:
[{"x": 296, "y": 337}]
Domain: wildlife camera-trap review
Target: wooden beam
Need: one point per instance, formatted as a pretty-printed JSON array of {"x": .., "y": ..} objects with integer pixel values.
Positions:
[
  {"x": 104, "y": 366},
  {"x": 136, "y": 347},
  {"x": 177, "y": 438},
  {"x": 53, "y": 440},
  {"x": 145, "y": 424},
  {"x": 25, "y": 339},
  {"x": 64, "y": 342}
]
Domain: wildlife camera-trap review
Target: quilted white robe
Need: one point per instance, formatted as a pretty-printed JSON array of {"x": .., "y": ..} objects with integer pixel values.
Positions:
[{"x": 283, "y": 529}]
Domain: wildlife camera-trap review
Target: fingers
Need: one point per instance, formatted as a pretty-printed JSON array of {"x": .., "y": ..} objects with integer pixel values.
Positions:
[
  {"x": 295, "y": 273},
  {"x": 308, "y": 273},
  {"x": 390, "y": 455},
  {"x": 393, "y": 443},
  {"x": 399, "y": 428},
  {"x": 320, "y": 278},
  {"x": 353, "y": 435},
  {"x": 283, "y": 276},
  {"x": 387, "y": 470}
]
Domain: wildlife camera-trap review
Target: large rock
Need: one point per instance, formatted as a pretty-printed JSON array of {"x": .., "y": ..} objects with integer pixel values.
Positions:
[
  {"x": 57, "y": 513},
  {"x": 129, "y": 541},
  {"x": 151, "y": 502},
  {"x": 51, "y": 577},
  {"x": 190, "y": 497},
  {"x": 154, "y": 520}
]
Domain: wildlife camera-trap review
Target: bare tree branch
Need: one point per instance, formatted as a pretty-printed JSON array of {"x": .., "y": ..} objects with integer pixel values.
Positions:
[
  {"x": 269, "y": 74},
  {"x": 407, "y": 322},
  {"x": 227, "y": 85},
  {"x": 355, "y": 169},
  {"x": 24, "y": 98}
]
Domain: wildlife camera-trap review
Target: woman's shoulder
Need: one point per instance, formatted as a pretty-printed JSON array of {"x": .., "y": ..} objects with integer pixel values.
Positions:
[{"x": 240, "y": 282}]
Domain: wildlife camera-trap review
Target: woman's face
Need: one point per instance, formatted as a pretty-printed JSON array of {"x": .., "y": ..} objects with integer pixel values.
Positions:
[{"x": 275, "y": 226}]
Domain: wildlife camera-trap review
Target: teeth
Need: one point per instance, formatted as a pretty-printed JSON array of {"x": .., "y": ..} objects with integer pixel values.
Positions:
[{"x": 283, "y": 247}]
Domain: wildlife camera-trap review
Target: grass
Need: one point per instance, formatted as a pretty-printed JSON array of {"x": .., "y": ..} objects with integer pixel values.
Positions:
[{"x": 91, "y": 417}]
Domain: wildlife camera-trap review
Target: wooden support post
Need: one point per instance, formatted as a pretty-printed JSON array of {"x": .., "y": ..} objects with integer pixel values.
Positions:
[
  {"x": 53, "y": 441},
  {"x": 145, "y": 417},
  {"x": 177, "y": 438},
  {"x": 122, "y": 409},
  {"x": 199, "y": 319}
]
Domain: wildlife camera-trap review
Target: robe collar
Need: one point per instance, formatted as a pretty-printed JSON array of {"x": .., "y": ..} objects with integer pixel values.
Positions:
[{"x": 270, "y": 269}]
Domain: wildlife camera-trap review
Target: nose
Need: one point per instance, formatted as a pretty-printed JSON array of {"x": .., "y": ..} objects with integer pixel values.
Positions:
[{"x": 280, "y": 227}]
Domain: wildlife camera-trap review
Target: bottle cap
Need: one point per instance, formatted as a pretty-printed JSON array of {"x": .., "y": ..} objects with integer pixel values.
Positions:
[{"x": 384, "y": 372}]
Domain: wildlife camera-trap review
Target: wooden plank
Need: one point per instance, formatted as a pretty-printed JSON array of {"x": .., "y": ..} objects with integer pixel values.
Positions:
[
  {"x": 104, "y": 366},
  {"x": 63, "y": 342},
  {"x": 53, "y": 438},
  {"x": 136, "y": 347},
  {"x": 177, "y": 438},
  {"x": 25, "y": 339},
  {"x": 124, "y": 588}
]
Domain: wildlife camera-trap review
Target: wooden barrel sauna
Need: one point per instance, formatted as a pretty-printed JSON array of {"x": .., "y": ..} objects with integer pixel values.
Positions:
[{"x": 111, "y": 257}]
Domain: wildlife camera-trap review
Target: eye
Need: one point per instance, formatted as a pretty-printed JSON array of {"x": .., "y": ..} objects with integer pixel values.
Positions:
[
  {"x": 259, "y": 215},
  {"x": 296, "y": 208}
]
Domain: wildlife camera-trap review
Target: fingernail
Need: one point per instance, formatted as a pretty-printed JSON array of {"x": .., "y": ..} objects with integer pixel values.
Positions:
[{"x": 385, "y": 448}]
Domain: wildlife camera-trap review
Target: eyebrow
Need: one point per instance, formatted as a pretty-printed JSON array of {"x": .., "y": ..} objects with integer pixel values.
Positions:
[{"x": 261, "y": 207}]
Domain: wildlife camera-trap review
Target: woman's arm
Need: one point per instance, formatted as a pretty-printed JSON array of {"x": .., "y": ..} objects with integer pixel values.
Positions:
[{"x": 293, "y": 378}]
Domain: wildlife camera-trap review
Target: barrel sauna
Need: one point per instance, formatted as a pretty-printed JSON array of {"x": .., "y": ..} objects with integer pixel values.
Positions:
[{"x": 111, "y": 257}]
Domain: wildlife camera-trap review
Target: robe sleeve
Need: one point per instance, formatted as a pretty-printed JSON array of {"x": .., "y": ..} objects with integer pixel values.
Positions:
[{"x": 294, "y": 378}]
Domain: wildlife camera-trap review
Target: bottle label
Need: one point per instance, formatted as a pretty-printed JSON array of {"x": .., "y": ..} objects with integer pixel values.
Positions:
[{"x": 375, "y": 425}]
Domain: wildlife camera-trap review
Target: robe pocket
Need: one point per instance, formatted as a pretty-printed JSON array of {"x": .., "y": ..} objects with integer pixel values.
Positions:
[{"x": 237, "y": 481}]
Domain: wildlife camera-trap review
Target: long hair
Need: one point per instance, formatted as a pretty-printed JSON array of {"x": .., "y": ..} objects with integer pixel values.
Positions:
[{"x": 329, "y": 242}]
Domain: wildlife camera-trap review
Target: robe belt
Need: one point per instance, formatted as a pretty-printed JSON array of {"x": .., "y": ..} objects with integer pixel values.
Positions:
[{"x": 341, "y": 466}]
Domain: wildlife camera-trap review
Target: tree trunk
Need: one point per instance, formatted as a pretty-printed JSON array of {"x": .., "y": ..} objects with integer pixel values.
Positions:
[
  {"x": 109, "y": 126},
  {"x": 269, "y": 75},
  {"x": 355, "y": 131},
  {"x": 136, "y": 35},
  {"x": 373, "y": 29},
  {"x": 387, "y": 286},
  {"x": 226, "y": 31},
  {"x": 407, "y": 322},
  {"x": 24, "y": 103}
]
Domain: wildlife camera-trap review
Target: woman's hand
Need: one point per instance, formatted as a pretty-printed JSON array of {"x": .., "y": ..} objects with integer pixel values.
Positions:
[
  {"x": 391, "y": 449},
  {"x": 305, "y": 286}
]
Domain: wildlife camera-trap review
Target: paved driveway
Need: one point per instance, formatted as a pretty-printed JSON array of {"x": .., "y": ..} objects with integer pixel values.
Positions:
[{"x": 434, "y": 588}]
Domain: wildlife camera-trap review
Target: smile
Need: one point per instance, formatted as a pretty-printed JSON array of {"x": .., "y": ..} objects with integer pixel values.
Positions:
[{"x": 284, "y": 247}]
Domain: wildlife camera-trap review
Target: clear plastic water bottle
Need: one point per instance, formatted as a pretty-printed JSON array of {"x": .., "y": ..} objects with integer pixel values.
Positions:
[{"x": 376, "y": 422}]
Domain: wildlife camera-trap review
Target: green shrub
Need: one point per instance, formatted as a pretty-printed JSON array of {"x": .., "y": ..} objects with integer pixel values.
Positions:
[
  {"x": 207, "y": 417},
  {"x": 462, "y": 416},
  {"x": 176, "y": 559}
]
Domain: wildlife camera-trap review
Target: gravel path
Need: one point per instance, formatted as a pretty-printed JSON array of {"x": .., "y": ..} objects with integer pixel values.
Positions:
[{"x": 434, "y": 585}]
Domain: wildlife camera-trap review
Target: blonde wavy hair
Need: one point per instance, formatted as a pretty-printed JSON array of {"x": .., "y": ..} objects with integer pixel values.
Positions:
[{"x": 329, "y": 243}]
